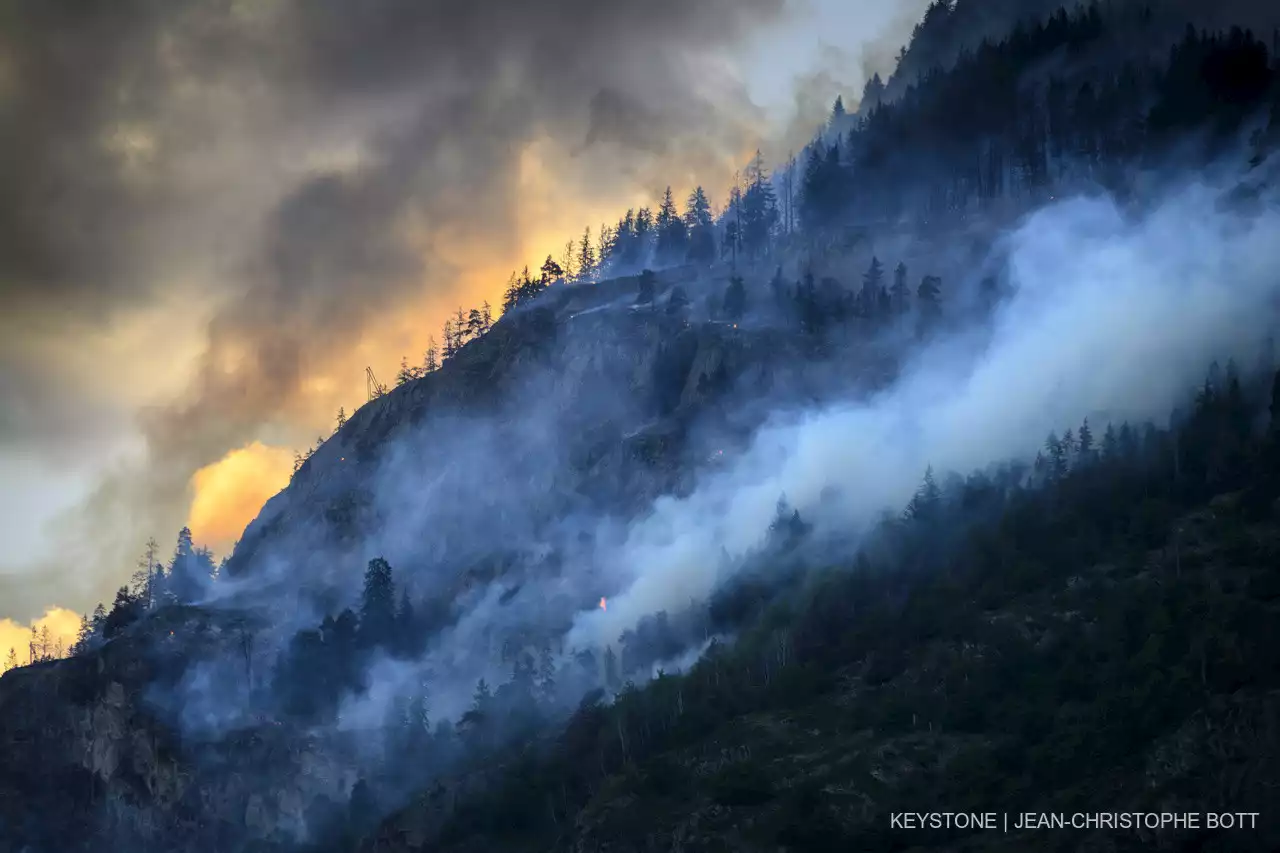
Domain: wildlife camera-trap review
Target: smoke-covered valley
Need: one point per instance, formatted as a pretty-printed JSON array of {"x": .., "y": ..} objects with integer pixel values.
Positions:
[{"x": 629, "y": 473}]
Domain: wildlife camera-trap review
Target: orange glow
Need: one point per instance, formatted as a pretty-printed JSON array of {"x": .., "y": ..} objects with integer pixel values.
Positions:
[
  {"x": 229, "y": 493},
  {"x": 604, "y": 605}
]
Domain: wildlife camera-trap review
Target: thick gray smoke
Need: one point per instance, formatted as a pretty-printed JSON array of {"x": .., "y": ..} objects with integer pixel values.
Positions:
[
  {"x": 1116, "y": 315},
  {"x": 282, "y": 176}
]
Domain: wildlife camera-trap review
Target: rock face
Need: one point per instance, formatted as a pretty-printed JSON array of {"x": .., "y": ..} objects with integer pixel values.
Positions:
[{"x": 88, "y": 751}]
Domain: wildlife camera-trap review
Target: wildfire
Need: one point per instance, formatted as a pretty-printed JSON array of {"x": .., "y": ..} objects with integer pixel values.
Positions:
[{"x": 604, "y": 605}]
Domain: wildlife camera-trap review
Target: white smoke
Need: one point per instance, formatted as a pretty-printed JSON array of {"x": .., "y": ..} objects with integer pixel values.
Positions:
[{"x": 1114, "y": 317}]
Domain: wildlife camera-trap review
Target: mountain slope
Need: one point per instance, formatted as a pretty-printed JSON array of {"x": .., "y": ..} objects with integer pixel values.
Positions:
[
  {"x": 408, "y": 627},
  {"x": 1104, "y": 644}
]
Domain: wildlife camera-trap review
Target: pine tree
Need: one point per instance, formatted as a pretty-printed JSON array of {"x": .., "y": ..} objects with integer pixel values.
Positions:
[
  {"x": 406, "y": 373},
  {"x": 837, "y": 113},
  {"x": 551, "y": 271},
  {"x": 1069, "y": 446},
  {"x": 1056, "y": 454},
  {"x": 510, "y": 299},
  {"x": 125, "y": 610},
  {"x": 924, "y": 505},
  {"x": 186, "y": 581},
  {"x": 586, "y": 257},
  {"x": 1110, "y": 444},
  {"x": 1086, "y": 441},
  {"x": 431, "y": 358},
  {"x": 872, "y": 94},
  {"x": 606, "y": 243},
  {"x": 700, "y": 227},
  {"x": 872, "y": 285},
  {"x": 612, "y": 679},
  {"x": 672, "y": 239},
  {"x": 568, "y": 258},
  {"x": 733, "y": 221},
  {"x": 377, "y": 604},
  {"x": 148, "y": 579},
  {"x": 759, "y": 209},
  {"x": 735, "y": 299},
  {"x": 646, "y": 289},
  {"x": 486, "y": 316},
  {"x": 643, "y": 235},
  {"x": 11, "y": 662},
  {"x": 475, "y": 324},
  {"x": 929, "y": 296},
  {"x": 461, "y": 328},
  {"x": 84, "y": 635},
  {"x": 98, "y": 621},
  {"x": 450, "y": 343},
  {"x": 900, "y": 297},
  {"x": 342, "y": 419}
]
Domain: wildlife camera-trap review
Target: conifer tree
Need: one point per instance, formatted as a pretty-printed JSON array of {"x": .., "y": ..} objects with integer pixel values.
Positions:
[
  {"x": 377, "y": 604},
  {"x": 1085, "y": 442},
  {"x": 929, "y": 296},
  {"x": 475, "y": 324},
  {"x": 900, "y": 297},
  {"x": 186, "y": 580},
  {"x": 700, "y": 227},
  {"x": 646, "y": 289},
  {"x": 735, "y": 299},
  {"x": 450, "y": 341},
  {"x": 586, "y": 257},
  {"x": 759, "y": 209},
  {"x": 872, "y": 284},
  {"x": 612, "y": 678},
  {"x": 551, "y": 271}
]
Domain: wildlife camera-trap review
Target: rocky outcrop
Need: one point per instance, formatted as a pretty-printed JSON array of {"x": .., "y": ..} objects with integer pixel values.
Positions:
[{"x": 88, "y": 750}]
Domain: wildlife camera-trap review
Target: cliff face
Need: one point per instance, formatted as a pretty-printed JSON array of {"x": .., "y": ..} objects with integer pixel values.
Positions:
[{"x": 90, "y": 750}]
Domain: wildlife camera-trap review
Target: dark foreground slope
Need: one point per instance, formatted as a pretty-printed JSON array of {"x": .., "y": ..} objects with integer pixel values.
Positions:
[{"x": 1106, "y": 643}]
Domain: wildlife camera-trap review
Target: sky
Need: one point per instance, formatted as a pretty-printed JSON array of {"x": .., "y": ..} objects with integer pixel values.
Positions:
[{"x": 219, "y": 212}]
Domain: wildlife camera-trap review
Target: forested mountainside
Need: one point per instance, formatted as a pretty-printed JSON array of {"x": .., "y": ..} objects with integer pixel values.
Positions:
[
  {"x": 731, "y": 532},
  {"x": 1097, "y": 639}
]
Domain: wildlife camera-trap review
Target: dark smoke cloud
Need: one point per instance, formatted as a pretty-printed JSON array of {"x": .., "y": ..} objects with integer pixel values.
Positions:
[{"x": 155, "y": 148}]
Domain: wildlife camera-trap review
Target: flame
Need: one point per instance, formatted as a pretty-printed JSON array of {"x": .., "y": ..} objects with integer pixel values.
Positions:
[{"x": 604, "y": 605}]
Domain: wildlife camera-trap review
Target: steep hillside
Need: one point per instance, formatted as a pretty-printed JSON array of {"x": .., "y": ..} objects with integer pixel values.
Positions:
[
  {"x": 662, "y": 560},
  {"x": 1104, "y": 644}
]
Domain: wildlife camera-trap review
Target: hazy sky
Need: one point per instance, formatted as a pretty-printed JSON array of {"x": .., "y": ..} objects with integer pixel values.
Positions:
[{"x": 217, "y": 213}]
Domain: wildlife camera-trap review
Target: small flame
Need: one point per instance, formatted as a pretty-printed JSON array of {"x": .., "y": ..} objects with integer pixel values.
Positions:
[{"x": 604, "y": 605}]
